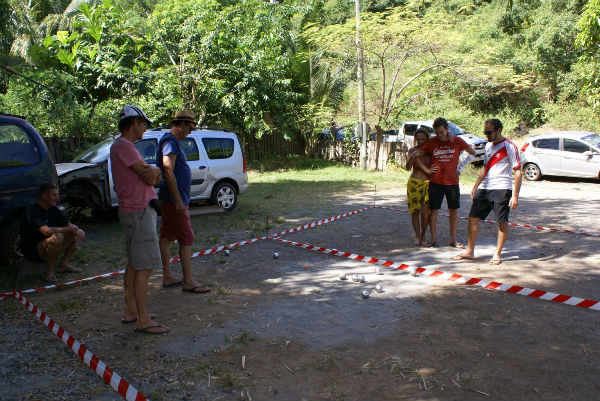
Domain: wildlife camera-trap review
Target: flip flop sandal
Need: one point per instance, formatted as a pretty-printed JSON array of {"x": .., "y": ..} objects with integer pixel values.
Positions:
[
  {"x": 148, "y": 330},
  {"x": 200, "y": 289},
  {"x": 456, "y": 245},
  {"x": 50, "y": 278},
  {"x": 176, "y": 283},
  {"x": 495, "y": 261},
  {"x": 124, "y": 321}
]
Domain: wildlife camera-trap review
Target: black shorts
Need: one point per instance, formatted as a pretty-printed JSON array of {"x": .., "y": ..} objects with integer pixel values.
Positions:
[
  {"x": 437, "y": 192},
  {"x": 486, "y": 200}
]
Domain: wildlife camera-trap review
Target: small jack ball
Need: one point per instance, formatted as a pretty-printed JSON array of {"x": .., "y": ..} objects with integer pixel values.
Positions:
[{"x": 305, "y": 267}]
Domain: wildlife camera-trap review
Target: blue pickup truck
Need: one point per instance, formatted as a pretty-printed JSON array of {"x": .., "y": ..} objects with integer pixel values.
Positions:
[{"x": 25, "y": 164}]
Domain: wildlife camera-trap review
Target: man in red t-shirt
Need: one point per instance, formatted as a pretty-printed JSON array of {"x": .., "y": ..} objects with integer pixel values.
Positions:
[{"x": 445, "y": 150}]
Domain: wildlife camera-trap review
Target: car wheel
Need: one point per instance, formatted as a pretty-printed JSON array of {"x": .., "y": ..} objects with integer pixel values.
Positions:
[
  {"x": 225, "y": 194},
  {"x": 10, "y": 244},
  {"x": 532, "y": 172}
]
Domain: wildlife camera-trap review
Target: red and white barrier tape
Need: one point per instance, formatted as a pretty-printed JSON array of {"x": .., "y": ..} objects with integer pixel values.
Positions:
[
  {"x": 126, "y": 390},
  {"x": 5, "y": 295},
  {"x": 79, "y": 281},
  {"x": 512, "y": 224},
  {"x": 222, "y": 247},
  {"x": 490, "y": 285},
  {"x": 321, "y": 222}
]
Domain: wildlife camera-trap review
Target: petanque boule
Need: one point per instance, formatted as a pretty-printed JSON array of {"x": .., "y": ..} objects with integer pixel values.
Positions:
[
  {"x": 364, "y": 294},
  {"x": 362, "y": 278},
  {"x": 378, "y": 270},
  {"x": 355, "y": 277},
  {"x": 378, "y": 288},
  {"x": 343, "y": 276},
  {"x": 226, "y": 252},
  {"x": 413, "y": 271},
  {"x": 275, "y": 255}
]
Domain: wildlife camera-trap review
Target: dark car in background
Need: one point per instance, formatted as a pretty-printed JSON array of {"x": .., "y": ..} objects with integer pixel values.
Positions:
[{"x": 25, "y": 164}]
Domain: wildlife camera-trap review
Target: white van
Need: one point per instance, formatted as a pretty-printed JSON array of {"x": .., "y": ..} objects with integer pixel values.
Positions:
[{"x": 215, "y": 157}]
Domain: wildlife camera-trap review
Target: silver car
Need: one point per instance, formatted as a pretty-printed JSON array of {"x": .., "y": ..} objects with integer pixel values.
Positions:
[
  {"x": 564, "y": 153},
  {"x": 215, "y": 158},
  {"x": 406, "y": 135}
]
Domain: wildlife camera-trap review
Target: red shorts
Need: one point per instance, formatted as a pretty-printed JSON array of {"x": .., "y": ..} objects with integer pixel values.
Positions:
[{"x": 174, "y": 226}]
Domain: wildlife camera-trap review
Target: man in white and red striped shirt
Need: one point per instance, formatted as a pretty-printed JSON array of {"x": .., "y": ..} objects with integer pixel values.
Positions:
[{"x": 494, "y": 189}]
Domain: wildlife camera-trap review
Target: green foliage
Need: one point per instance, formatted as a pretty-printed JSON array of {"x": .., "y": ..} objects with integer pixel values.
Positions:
[{"x": 233, "y": 63}]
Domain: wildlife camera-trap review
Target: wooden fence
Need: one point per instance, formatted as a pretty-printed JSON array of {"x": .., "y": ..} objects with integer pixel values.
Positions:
[{"x": 389, "y": 154}]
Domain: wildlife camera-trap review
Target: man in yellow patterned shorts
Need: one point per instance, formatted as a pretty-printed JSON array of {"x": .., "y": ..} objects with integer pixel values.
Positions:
[{"x": 417, "y": 188}]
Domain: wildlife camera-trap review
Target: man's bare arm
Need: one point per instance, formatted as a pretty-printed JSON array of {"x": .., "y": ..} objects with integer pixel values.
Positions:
[
  {"x": 150, "y": 174},
  {"x": 514, "y": 200},
  {"x": 168, "y": 167}
]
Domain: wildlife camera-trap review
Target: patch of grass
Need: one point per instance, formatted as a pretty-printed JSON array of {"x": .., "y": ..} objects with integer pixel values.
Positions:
[
  {"x": 63, "y": 305},
  {"x": 244, "y": 338},
  {"x": 156, "y": 395},
  {"x": 230, "y": 381},
  {"x": 223, "y": 291}
]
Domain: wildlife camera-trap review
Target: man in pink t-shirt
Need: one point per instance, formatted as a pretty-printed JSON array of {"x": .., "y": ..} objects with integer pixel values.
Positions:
[
  {"x": 134, "y": 181},
  {"x": 494, "y": 189},
  {"x": 444, "y": 150}
]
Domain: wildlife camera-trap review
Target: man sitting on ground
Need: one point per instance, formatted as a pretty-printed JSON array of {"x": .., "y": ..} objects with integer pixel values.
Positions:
[{"x": 46, "y": 233}]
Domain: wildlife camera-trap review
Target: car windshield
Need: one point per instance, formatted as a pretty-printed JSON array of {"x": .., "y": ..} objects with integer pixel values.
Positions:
[
  {"x": 455, "y": 129},
  {"x": 96, "y": 154},
  {"x": 594, "y": 139}
]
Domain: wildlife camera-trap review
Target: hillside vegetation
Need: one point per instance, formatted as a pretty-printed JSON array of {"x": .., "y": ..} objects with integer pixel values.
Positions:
[{"x": 289, "y": 69}]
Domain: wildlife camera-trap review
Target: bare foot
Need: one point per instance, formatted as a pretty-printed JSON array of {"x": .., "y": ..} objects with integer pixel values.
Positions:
[
  {"x": 67, "y": 268},
  {"x": 152, "y": 328},
  {"x": 417, "y": 242},
  {"x": 171, "y": 280},
  {"x": 463, "y": 256}
]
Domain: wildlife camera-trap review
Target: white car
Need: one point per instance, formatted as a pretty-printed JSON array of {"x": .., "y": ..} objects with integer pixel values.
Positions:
[
  {"x": 408, "y": 129},
  {"x": 215, "y": 158},
  {"x": 564, "y": 153}
]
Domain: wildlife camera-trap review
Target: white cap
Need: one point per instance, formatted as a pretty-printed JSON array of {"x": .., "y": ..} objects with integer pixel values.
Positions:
[{"x": 133, "y": 111}]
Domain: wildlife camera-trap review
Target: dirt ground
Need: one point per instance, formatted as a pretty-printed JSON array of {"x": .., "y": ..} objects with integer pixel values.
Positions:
[{"x": 304, "y": 334}]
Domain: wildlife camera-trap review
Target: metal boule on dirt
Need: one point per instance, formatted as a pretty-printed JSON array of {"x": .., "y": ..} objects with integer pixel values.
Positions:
[
  {"x": 354, "y": 277},
  {"x": 378, "y": 270},
  {"x": 343, "y": 276},
  {"x": 226, "y": 252},
  {"x": 364, "y": 294},
  {"x": 275, "y": 255},
  {"x": 413, "y": 271},
  {"x": 378, "y": 288},
  {"x": 362, "y": 278}
]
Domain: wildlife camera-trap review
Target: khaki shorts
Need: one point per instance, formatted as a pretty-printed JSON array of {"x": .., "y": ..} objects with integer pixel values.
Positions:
[{"x": 143, "y": 252}]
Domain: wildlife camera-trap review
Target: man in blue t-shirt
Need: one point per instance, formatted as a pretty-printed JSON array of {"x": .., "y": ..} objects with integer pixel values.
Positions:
[
  {"x": 46, "y": 233},
  {"x": 174, "y": 193}
]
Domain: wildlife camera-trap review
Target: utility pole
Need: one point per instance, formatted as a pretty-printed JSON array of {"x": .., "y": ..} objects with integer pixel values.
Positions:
[{"x": 362, "y": 123}]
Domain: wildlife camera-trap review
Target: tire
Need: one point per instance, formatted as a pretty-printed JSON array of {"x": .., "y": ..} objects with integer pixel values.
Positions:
[
  {"x": 10, "y": 237},
  {"x": 226, "y": 195},
  {"x": 532, "y": 172}
]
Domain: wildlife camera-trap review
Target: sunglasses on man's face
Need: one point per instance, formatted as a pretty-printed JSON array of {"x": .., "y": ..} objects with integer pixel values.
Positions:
[{"x": 488, "y": 132}]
